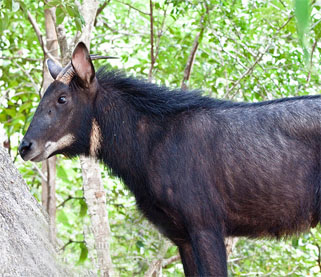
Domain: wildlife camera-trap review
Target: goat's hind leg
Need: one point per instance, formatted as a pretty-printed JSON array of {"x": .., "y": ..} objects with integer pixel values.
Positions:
[
  {"x": 209, "y": 252},
  {"x": 188, "y": 259}
]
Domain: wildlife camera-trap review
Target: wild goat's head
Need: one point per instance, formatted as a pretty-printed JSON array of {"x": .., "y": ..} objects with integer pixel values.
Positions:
[{"x": 60, "y": 123}]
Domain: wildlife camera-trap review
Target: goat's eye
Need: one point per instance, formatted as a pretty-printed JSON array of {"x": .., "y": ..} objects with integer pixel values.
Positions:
[{"x": 62, "y": 100}]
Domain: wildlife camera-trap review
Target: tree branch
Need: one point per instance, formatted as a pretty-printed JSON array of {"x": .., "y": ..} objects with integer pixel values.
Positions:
[
  {"x": 62, "y": 39},
  {"x": 132, "y": 7},
  {"x": 170, "y": 260},
  {"x": 190, "y": 60},
  {"x": 67, "y": 199},
  {"x": 70, "y": 242},
  {"x": 159, "y": 35},
  {"x": 29, "y": 76},
  {"x": 258, "y": 57},
  {"x": 37, "y": 29},
  {"x": 39, "y": 36},
  {"x": 156, "y": 265},
  {"x": 100, "y": 9},
  {"x": 42, "y": 175},
  {"x": 311, "y": 58},
  {"x": 152, "y": 57}
]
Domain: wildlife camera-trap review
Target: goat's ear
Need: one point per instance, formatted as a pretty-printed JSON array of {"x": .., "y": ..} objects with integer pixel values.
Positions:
[
  {"x": 54, "y": 69},
  {"x": 82, "y": 64}
]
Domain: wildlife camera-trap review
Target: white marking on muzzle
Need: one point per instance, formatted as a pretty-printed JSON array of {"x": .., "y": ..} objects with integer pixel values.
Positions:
[
  {"x": 95, "y": 139},
  {"x": 52, "y": 146}
]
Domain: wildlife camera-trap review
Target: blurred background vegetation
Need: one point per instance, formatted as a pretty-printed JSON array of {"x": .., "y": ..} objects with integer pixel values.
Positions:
[{"x": 249, "y": 50}]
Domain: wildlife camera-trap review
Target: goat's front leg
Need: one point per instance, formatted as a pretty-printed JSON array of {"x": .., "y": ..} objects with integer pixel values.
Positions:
[{"x": 209, "y": 252}]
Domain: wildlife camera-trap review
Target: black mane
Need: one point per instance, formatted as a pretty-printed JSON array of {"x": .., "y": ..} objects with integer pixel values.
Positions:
[{"x": 156, "y": 100}]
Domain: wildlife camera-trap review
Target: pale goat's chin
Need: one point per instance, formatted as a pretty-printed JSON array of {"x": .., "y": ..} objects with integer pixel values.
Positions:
[{"x": 51, "y": 147}]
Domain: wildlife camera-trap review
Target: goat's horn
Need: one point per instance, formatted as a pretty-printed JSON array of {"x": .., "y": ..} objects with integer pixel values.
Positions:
[
  {"x": 66, "y": 74},
  {"x": 98, "y": 57}
]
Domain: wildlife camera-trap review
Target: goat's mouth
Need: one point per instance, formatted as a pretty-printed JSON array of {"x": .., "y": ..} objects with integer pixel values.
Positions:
[
  {"x": 30, "y": 150},
  {"x": 38, "y": 158},
  {"x": 50, "y": 150},
  {"x": 35, "y": 156}
]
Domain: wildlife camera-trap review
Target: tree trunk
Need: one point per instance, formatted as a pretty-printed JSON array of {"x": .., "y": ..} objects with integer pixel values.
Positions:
[
  {"x": 92, "y": 183},
  {"x": 96, "y": 201},
  {"x": 48, "y": 195},
  {"x": 230, "y": 243},
  {"x": 25, "y": 248}
]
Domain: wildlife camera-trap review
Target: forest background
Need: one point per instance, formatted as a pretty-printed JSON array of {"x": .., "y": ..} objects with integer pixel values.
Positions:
[{"x": 250, "y": 50}]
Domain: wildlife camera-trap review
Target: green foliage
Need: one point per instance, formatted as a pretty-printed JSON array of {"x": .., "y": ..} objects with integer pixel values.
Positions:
[
  {"x": 249, "y": 50},
  {"x": 66, "y": 8},
  {"x": 294, "y": 257},
  {"x": 302, "y": 13}
]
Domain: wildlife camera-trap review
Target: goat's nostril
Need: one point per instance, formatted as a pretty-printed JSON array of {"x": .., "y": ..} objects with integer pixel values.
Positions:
[{"x": 24, "y": 147}]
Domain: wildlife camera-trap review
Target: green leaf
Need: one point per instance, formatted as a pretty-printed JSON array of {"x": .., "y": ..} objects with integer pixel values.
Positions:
[
  {"x": 302, "y": 13},
  {"x": 60, "y": 15},
  {"x": 83, "y": 208},
  {"x": 61, "y": 173},
  {"x": 139, "y": 244},
  {"x": 71, "y": 11},
  {"x": 62, "y": 217},
  {"x": 83, "y": 254},
  {"x": 78, "y": 24}
]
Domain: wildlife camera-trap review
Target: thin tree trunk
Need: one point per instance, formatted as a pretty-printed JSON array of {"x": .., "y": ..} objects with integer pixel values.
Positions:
[
  {"x": 96, "y": 201},
  {"x": 152, "y": 56},
  {"x": 191, "y": 57},
  {"x": 48, "y": 196},
  {"x": 230, "y": 243},
  {"x": 92, "y": 184}
]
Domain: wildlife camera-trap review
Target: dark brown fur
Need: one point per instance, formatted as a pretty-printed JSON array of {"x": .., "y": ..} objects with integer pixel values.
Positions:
[{"x": 201, "y": 169}]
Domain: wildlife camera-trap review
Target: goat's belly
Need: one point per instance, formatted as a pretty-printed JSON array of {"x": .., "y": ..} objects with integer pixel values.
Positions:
[
  {"x": 259, "y": 219},
  {"x": 272, "y": 201},
  {"x": 267, "y": 229}
]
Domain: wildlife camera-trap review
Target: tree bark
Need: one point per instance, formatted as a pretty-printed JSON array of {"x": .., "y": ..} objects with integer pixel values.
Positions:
[
  {"x": 230, "y": 243},
  {"x": 191, "y": 57},
  {"x": 25, "y": 248},
  {"x": 94, "y": 193},
  {"x": 152, "y": 56},
  {"x": 96, "y": 201},
  {"x": 48, "y": 195}
]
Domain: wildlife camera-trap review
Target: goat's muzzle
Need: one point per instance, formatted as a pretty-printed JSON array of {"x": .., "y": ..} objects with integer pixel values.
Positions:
[{"x": 27, "y": 150}]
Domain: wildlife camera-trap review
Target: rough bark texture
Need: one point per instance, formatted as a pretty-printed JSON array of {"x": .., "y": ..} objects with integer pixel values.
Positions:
[
  {"x": 88, "y": 10},
  {"x": 230, "y": 243},
  {"x": 96, "y": 201},
  {"x": 191, "y": 57},
  {"x": 92, "y": 184},
  {"x": 48, "y": 196},
  {"x": 25, "y": 248}
]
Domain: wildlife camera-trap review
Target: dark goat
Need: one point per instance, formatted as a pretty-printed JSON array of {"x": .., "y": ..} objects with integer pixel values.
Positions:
[{"x": 201, "y": 169}]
